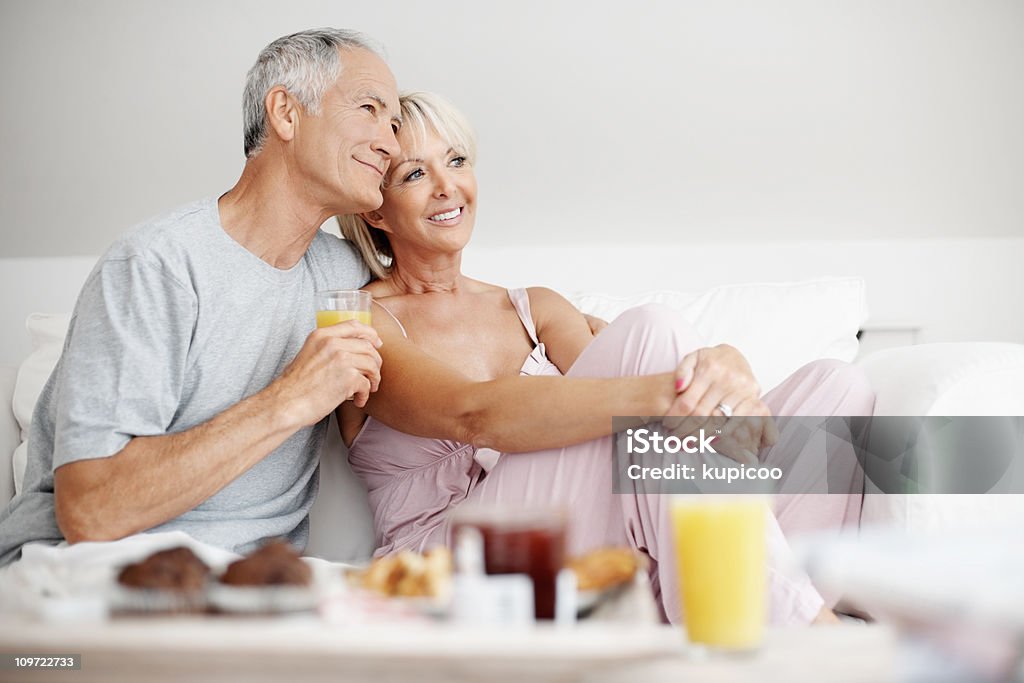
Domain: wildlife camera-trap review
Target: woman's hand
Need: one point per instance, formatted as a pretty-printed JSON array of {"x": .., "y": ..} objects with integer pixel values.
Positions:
[
  {"x": 713, "y": 376},
  {"x": 750, "y": 429},
  {"x": 708, "y": 378},
  {"x": 739, "y": 437}
]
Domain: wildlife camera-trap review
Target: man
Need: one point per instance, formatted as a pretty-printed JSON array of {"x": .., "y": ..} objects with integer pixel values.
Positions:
[{"x": 190, "y": 394}]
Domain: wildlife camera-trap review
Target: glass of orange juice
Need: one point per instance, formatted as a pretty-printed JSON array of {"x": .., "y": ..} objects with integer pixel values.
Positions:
[
  {"x": 335, "y": 306},
  {"x": 720, "y": 552}
]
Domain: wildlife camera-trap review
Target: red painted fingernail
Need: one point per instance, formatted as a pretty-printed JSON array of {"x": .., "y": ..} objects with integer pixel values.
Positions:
[{"x": 679, "y": 385}]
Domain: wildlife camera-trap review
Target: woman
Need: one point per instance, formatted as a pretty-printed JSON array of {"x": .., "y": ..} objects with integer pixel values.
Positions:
[{"x": 455, "y": 388}]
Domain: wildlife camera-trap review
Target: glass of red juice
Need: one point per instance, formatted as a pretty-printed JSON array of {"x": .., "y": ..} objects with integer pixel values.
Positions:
[{"x": 520, "y": 541}]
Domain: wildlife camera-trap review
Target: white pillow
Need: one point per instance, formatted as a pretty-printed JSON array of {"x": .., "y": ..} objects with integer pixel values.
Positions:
[
  {"x": 47, "y": 334},
  {"x": 977, "y": 378},
  {"x": 778, "y": 326},
  {"x": 18, "y": 462}
]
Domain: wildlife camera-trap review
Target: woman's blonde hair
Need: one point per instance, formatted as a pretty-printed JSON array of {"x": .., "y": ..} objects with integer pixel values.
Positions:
[{"x": 422, "y": 113}]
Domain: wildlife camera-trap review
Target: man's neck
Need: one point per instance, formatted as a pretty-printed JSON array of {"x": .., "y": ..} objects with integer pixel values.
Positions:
[{"x": 268, "y": 217}]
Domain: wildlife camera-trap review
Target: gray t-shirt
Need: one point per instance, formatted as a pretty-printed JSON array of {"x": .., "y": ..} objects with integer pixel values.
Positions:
[{"x": 176, "y": 323}]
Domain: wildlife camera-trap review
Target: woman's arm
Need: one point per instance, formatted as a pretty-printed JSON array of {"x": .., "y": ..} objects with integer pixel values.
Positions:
[
  {"x": 560, "y": 327},
  {"x": 426, "y": 397},
  {"x": 704, "y": 379}
]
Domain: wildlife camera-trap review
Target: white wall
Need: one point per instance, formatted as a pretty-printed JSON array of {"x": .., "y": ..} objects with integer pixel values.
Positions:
[
  {"x": 679, "y": 122},
  {"x": 783, "y": 139}
]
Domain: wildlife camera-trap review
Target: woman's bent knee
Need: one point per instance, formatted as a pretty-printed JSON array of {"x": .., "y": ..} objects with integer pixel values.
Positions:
[
  {"x": 846, "y": 379},
  {"x": 659, "y": 319}
]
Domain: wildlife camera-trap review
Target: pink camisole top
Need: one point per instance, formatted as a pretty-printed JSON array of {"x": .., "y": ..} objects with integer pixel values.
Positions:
[{"x": 413, "y": 482}]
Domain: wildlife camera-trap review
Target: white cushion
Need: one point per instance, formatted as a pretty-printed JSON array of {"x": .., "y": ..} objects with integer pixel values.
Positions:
[
  {"x": 46, "y": 332},
  {"x": 778, "y": 326},
  {"x": 340, "y": 522},
  {"x": 18, "y": 462},
  {"x": 978, "y": 378},
  {"x": 10, "y": 432}
]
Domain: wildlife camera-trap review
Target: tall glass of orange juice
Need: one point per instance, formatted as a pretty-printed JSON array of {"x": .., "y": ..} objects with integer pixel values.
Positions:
[
  {"x": 720, "y": 552},
  {"x": 335, "y": 306}
]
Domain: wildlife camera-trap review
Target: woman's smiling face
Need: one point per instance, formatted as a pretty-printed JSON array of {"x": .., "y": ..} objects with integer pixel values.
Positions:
[{"x": 429, "y": 194}]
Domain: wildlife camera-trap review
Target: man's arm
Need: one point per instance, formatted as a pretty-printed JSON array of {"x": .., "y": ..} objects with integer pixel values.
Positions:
[{"x": 154, "y": 479}]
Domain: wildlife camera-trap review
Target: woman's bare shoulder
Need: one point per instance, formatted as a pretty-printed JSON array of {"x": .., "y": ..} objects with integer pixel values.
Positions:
[
  {"x": 379, "y": 288},
  {"x": 549, "y": 300}
]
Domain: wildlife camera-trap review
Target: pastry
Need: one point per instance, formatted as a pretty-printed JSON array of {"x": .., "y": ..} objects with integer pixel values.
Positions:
[
  {"x": 175, "y": 569},
  {"x": 604, "y": 568},
  {"x": 275, "y": 564},
  {"x": 409, "y": 574}
]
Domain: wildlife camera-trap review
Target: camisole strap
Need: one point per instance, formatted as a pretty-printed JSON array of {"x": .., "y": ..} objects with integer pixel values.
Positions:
[
  {"x": 521, "y": 302},
  {"x": 393, "y": 317}
]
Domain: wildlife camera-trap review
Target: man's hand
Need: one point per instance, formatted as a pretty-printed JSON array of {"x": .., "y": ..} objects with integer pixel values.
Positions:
[{"x": 337, "y": 363}]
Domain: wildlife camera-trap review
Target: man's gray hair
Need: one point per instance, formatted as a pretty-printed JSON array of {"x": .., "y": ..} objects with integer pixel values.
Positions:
[{"x": 305, "y": 64}]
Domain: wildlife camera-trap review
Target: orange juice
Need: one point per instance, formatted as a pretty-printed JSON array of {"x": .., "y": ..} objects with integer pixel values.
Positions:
[
  {"x": 720, "y": 550},
  {"x": 326, "y": 318}
]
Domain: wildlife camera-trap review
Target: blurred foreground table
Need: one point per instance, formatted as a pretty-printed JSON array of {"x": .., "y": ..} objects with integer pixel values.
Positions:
[{"x": 306, "y": 649}]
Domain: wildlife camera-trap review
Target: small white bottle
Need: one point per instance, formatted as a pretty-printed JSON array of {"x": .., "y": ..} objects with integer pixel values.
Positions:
[{"x": 481, "y": 599}]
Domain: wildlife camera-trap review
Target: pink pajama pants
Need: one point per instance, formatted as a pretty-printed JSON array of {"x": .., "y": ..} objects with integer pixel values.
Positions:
[{"x": 652, "y": 339}]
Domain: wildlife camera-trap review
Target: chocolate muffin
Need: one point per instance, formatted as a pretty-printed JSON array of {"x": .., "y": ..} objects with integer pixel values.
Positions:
[
  {"x": 174, "y": 569},
  {"x": 275, "y": 564}
]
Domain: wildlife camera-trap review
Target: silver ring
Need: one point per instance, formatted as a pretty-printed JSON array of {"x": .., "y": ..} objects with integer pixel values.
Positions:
[{"x": 726, "y": 409}]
